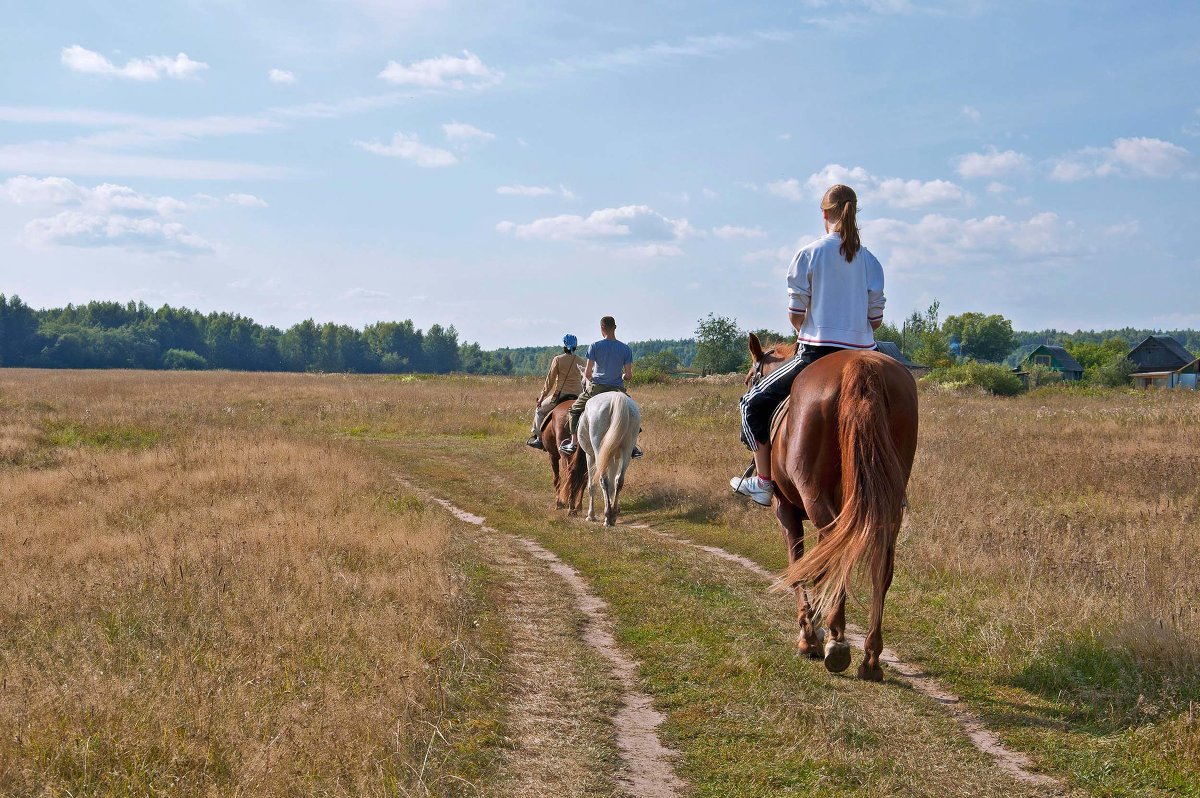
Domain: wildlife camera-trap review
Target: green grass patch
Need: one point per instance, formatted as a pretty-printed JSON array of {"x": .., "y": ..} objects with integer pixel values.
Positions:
[{"x": 70, "y": 434}]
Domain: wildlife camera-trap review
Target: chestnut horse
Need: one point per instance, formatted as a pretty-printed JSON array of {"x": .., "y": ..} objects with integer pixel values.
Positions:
[
  {"x": 570, "y": 470},
  {"x": 841, "y": 458}
]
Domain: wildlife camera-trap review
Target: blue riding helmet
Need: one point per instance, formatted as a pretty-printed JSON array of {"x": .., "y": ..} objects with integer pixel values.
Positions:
[{"x": 570, "y": 341}]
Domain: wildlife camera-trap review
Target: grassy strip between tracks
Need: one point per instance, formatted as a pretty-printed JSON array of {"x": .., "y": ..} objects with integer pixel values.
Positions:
[
  {"x": 748, "y": 716},
  {"x": 1061, "y": 706}
]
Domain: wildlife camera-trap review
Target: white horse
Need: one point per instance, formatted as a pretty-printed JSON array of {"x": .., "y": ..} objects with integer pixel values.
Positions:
[{"x": 608, "y": 431}]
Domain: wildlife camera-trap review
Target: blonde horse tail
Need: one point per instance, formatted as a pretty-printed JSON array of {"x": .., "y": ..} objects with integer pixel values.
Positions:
[
  {"x": 616, "y": 435},
  {"x": 872, "y": 493}
]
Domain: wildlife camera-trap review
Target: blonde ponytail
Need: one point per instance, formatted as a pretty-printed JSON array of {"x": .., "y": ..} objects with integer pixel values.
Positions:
[{"x": 843, "y": 197}]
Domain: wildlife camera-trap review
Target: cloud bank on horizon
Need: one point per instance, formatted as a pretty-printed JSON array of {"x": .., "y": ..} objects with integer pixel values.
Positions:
[{"x": 360, "y": 161}]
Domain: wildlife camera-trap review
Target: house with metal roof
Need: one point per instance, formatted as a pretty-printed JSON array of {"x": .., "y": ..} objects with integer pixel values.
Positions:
[
  {"x": 1054, "y": 358},
  {"x": 1160, "y": 353},
  {"x": 1163, "y": 362}
]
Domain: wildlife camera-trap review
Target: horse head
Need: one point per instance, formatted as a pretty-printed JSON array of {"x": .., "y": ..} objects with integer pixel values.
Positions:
[{"x": 764, "y": 361}]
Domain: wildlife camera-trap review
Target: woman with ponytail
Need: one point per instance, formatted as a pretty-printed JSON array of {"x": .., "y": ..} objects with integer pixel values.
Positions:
[{"x": 835, "y": 292}]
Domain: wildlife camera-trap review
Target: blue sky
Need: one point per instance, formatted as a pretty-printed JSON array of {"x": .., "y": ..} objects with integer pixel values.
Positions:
[{"x": 519, "y": 169}]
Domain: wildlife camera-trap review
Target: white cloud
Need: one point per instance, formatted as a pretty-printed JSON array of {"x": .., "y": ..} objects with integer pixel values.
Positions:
[
  {"x": 940, "y": 242},
  {"x": 536, "y": 191},
  {"x": 996, "y": 188},
  {"x": 708, "y": 193},
  {"x": 892, "y": 191},
  {"x": 788, "y": 189},
  {"x": 281, "y": 76},
  {"x": 1129, "y": 157},
  {"x": 460, "y": 131},
  {"x": 104, "y": 198},
  {"x": 76, "y": 229},
  {"x": 443, "y": 72},
  {"x": 101, "y": 216},
  {"x": 731, "y": 231},
  {"x": 245, "y": 200},
  {"x": 972, "y": 113},
  {"x": 991, "y": 163},
  {"x": 155, "y": 67},
  {"x": 631, "y": 222},
  {"x": 410, "y": 148}
]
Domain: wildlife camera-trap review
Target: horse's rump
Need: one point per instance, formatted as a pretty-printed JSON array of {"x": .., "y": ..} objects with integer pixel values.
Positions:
[{"x": 875, "y": 460}]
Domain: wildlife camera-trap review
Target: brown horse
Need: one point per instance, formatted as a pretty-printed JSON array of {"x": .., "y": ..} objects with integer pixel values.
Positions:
[
  {"x": 570, "y": 470},
  {"x": 841, "y": 458}
]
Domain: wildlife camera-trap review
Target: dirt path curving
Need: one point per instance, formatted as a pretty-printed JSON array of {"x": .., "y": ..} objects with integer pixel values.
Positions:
[
  {"x": 647, "y": 765},
  {"x": 1014, "y": 763}
]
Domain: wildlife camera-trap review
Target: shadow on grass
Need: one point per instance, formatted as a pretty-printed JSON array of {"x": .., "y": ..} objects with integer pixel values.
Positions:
[
  {"x": 672, "y": 503},
  {"x": 1100, "y": 685}
]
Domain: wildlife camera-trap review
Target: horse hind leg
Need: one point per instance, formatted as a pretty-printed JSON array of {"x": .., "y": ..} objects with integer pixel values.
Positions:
[
  {"x": 609, "y": 503},
  {"x": 873, "y": 645},
  {"x": 611, "y": 514},
  {"x": 591, "y": 488}
]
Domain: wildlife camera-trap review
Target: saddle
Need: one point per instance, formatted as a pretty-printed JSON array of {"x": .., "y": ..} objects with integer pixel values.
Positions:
[
  {"x": 778, "y": 416},
  {"x": 567, "y": 397}
]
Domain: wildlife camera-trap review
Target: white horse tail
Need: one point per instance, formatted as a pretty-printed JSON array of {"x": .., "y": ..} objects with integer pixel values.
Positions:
[{"x": 621, "y": 431}]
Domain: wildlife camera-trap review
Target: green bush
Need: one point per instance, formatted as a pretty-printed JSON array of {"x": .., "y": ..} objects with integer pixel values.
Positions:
[
  {"x": 1113, "y": 373},
  {"x": 991, "y": 377},
  {"x": 183, "y": 360}
]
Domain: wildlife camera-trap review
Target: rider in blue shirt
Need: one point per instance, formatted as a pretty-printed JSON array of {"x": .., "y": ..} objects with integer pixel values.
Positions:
[{"x": 609, "y": 364}]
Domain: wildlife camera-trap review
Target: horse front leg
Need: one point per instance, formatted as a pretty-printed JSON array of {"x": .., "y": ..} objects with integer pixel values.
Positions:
[
  {"x": 554, "y": 467},
  {"x": 792, "y": 521},
  {"x": 873, "y": 645}
]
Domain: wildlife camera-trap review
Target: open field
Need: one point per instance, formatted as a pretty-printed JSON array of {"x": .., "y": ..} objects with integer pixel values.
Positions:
[{"x": 214, "y": 584}]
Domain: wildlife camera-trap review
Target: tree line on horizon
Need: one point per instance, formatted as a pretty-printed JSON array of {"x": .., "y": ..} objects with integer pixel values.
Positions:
[{"x": 103, "y": 334}]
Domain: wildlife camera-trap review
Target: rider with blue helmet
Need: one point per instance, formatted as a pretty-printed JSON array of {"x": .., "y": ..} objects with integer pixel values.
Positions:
[{"x": 564, "y": 380}]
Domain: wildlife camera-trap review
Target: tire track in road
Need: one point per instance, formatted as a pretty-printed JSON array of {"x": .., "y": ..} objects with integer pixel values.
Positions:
[
  {"x": 648, "y": 765},
  {"x": 1012, "y": 762}
]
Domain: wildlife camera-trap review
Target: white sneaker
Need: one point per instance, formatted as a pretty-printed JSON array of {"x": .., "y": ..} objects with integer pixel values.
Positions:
[{"x": 755, "y": 488}]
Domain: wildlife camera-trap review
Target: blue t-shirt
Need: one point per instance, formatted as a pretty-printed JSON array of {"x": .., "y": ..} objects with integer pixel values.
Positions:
[{"x": 611, "y": 357}]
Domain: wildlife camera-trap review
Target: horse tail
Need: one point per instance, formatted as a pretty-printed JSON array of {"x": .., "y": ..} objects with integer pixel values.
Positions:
[
  {"x": 873, "y": 482},
  {"x": 615, "y": 438}
]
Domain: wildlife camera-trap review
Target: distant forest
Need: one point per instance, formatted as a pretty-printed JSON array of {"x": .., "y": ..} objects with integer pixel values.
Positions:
[{"x": 134, "y": 335}]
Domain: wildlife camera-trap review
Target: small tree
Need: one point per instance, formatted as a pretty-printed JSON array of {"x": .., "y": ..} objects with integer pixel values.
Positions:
[
  {"x": 924, "y": 340},
  {"x": 720, "y": 346},
  {"x": 988, "y": 338}
]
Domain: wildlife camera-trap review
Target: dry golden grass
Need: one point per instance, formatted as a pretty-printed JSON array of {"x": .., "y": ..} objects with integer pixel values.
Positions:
[
  {"x": 189, "y": 607},
  {"x": 1050, "y": 550}
]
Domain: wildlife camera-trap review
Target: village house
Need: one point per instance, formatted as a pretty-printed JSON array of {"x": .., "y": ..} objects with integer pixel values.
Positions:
[
  {"x": 1054, "y": 358},
  {"x": 1162, "y": 362}
]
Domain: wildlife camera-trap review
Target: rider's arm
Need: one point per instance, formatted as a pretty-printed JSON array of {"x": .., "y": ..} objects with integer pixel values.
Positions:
[
  {"x": 797, "y": 319},
  {"x": 587, "y": 373},
  {"x": 549, "y": 386},
  {"x": 628, "y": 373},
  {"x": 799, "y": 285},
  {"x": 875, "y": 298}
]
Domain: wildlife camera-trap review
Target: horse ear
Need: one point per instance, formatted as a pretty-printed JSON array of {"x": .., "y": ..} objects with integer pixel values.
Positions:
[{"x": 756, "y": 350}]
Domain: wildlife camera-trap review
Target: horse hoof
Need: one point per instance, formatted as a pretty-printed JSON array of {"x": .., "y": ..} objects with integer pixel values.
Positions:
[
  {"x": 837, "y": 656},
  {"x": 870, "y": 674},
  {"x": 810, "y": 645}
]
